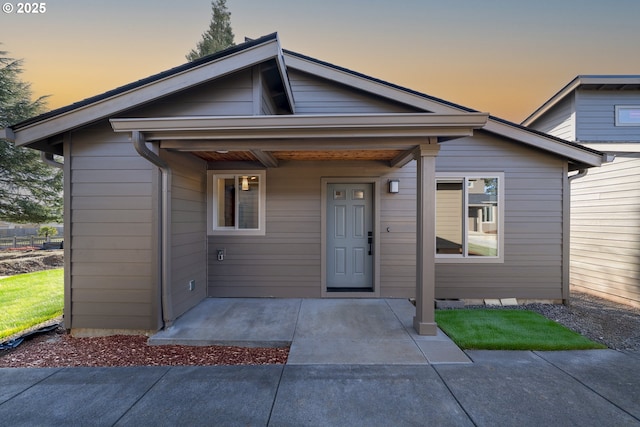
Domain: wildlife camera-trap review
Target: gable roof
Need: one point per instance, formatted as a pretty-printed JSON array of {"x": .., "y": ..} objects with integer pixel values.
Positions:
[
  {"x": 36, "y": 131},
  {"x": 146, "y": 90},
  {"x": 290, "y": 54},
  {"x": 577, "y": 154},
  {"x": 591, "y": 82},
  {"x": 145, "y": 81}
]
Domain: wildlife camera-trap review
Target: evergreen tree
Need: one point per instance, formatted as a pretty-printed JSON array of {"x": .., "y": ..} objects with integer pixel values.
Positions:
[
  {"x": 219, "y": 36},
  {"x": 30, "y": 191}
]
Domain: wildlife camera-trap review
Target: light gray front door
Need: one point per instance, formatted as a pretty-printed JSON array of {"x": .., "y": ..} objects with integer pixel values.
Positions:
[{"x": 350, "y": 237}]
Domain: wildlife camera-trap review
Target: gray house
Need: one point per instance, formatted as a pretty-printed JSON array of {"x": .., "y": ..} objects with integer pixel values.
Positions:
[
  {"x": 259, "y": 172},
  {"x": 602, "y": 112}
]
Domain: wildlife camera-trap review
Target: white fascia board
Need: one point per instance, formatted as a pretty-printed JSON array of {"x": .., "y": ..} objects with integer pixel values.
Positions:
[{"x": 141, "y": 95}]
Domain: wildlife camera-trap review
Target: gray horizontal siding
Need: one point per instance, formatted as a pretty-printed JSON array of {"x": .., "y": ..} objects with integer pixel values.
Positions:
[
  {"x": 227, "y": 96},
  {"x": 95, "y": 316},
  {"x": 398, "y": 244},
  {"x": 113, "y": 240},
  {"x": 283, "y": 258},
  {"x": 605, "y": 231},
  {"x": 533, "y": 181},
  {"x": 595, "y": 120},
  {"x": 91, "y": 216},
  {"x": 314, "y": 95},
  {"x": 286, "y": 261},
  {"x": 188, "y": 230},
  {"x": 111, "y": 248}
]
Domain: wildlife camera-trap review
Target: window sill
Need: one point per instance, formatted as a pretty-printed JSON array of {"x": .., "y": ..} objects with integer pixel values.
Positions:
[
  {"x": 236, "y": 233},
  {"x": 474, "y": 260}
]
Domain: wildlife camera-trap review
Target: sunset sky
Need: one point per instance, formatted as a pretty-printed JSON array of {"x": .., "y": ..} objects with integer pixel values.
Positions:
[{"x": 505, "y": 57}]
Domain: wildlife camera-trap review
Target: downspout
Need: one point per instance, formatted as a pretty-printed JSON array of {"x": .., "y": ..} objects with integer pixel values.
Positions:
[
  {"x": 48, "y": 159},
  {"x": 165, "y": 230},
  {"x": 580, "y": 174},
  {"x": 566, "y": 251}
]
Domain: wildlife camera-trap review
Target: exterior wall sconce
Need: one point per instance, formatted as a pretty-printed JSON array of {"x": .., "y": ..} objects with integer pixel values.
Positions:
[
  {"x": 394, "y": 186},
  {"x": 245, "y": 183}
]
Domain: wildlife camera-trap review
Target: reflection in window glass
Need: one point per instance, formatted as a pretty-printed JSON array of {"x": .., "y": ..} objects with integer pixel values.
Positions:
[
  {"x": 236, "y": 201},
  {"x": 449, "y": 204},
  {"x": 627, "y": 115},
  {"x": 226, "y": 202},
  {"x": 239, "y": 202},
  {"x": 481, "y": 214},
  {"x": 468, "y": 217},
  {"x": 248, "y": 202}
]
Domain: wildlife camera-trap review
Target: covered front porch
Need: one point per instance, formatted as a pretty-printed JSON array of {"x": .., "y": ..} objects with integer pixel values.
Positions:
[
  {"x": 319, "y": 331},
  {"x": 267, "y": 142}
]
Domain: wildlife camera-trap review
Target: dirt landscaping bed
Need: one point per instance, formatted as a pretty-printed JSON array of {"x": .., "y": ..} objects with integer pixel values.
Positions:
[{"x": 22, "y": 261}]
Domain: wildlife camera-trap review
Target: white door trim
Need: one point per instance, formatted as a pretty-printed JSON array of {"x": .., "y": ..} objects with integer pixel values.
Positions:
[{"x": 375, "y": 181}]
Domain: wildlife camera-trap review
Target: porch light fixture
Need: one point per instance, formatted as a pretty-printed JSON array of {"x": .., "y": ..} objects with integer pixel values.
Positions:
[
  {"x": 245, "y": 183},
  {"x": 394, "y": 186}
]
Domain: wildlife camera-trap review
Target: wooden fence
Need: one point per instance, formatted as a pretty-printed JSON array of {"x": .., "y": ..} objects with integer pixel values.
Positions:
[{"x": 17, "y": 242}]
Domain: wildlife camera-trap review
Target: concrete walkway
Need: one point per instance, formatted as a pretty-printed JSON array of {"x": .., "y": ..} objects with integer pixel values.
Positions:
[
  {"x": 581, "y": 388},
  {"x": 352, "y": 363},
  {"x": 320, "y": 331}
]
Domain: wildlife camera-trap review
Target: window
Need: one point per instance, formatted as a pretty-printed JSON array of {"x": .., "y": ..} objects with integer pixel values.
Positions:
[
  {"x": 236, "y": 202},
  {"x": 627, "y": 115},
  {"x": 488, "y": 214},
  {"x": 469, "y": 217}
]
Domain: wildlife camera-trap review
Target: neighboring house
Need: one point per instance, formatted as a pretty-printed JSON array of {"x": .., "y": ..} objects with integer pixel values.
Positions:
[
  {"x": 258, "y": 172},
  {"x": 602, "y": 112}
]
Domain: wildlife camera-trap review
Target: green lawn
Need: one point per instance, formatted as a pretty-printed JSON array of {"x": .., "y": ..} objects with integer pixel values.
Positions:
[
  {"x": 485, "y": 329},
  {"x": 30, "y": 299}
]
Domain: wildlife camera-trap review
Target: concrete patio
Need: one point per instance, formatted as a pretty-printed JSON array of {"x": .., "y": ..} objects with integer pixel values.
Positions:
[{"x": 320, "y": 331}]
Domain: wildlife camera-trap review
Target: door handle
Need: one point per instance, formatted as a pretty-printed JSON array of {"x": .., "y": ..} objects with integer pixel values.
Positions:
[{"x": 370, "y": 240}]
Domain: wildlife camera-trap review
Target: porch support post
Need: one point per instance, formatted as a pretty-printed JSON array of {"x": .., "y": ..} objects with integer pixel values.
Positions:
[{"x": 424, "y": 321}]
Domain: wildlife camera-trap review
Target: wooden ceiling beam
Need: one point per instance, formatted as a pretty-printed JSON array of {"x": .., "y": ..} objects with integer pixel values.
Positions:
[
  {"x": 265, "y": 158},
  {"x": 403, "y": 158}
]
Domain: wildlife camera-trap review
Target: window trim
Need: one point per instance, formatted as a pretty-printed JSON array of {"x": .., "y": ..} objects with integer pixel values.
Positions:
[
  {"x": 464, "y": 258},
  {"x": 619, "y": 108},
  {"x": 212, "y": 203}
]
